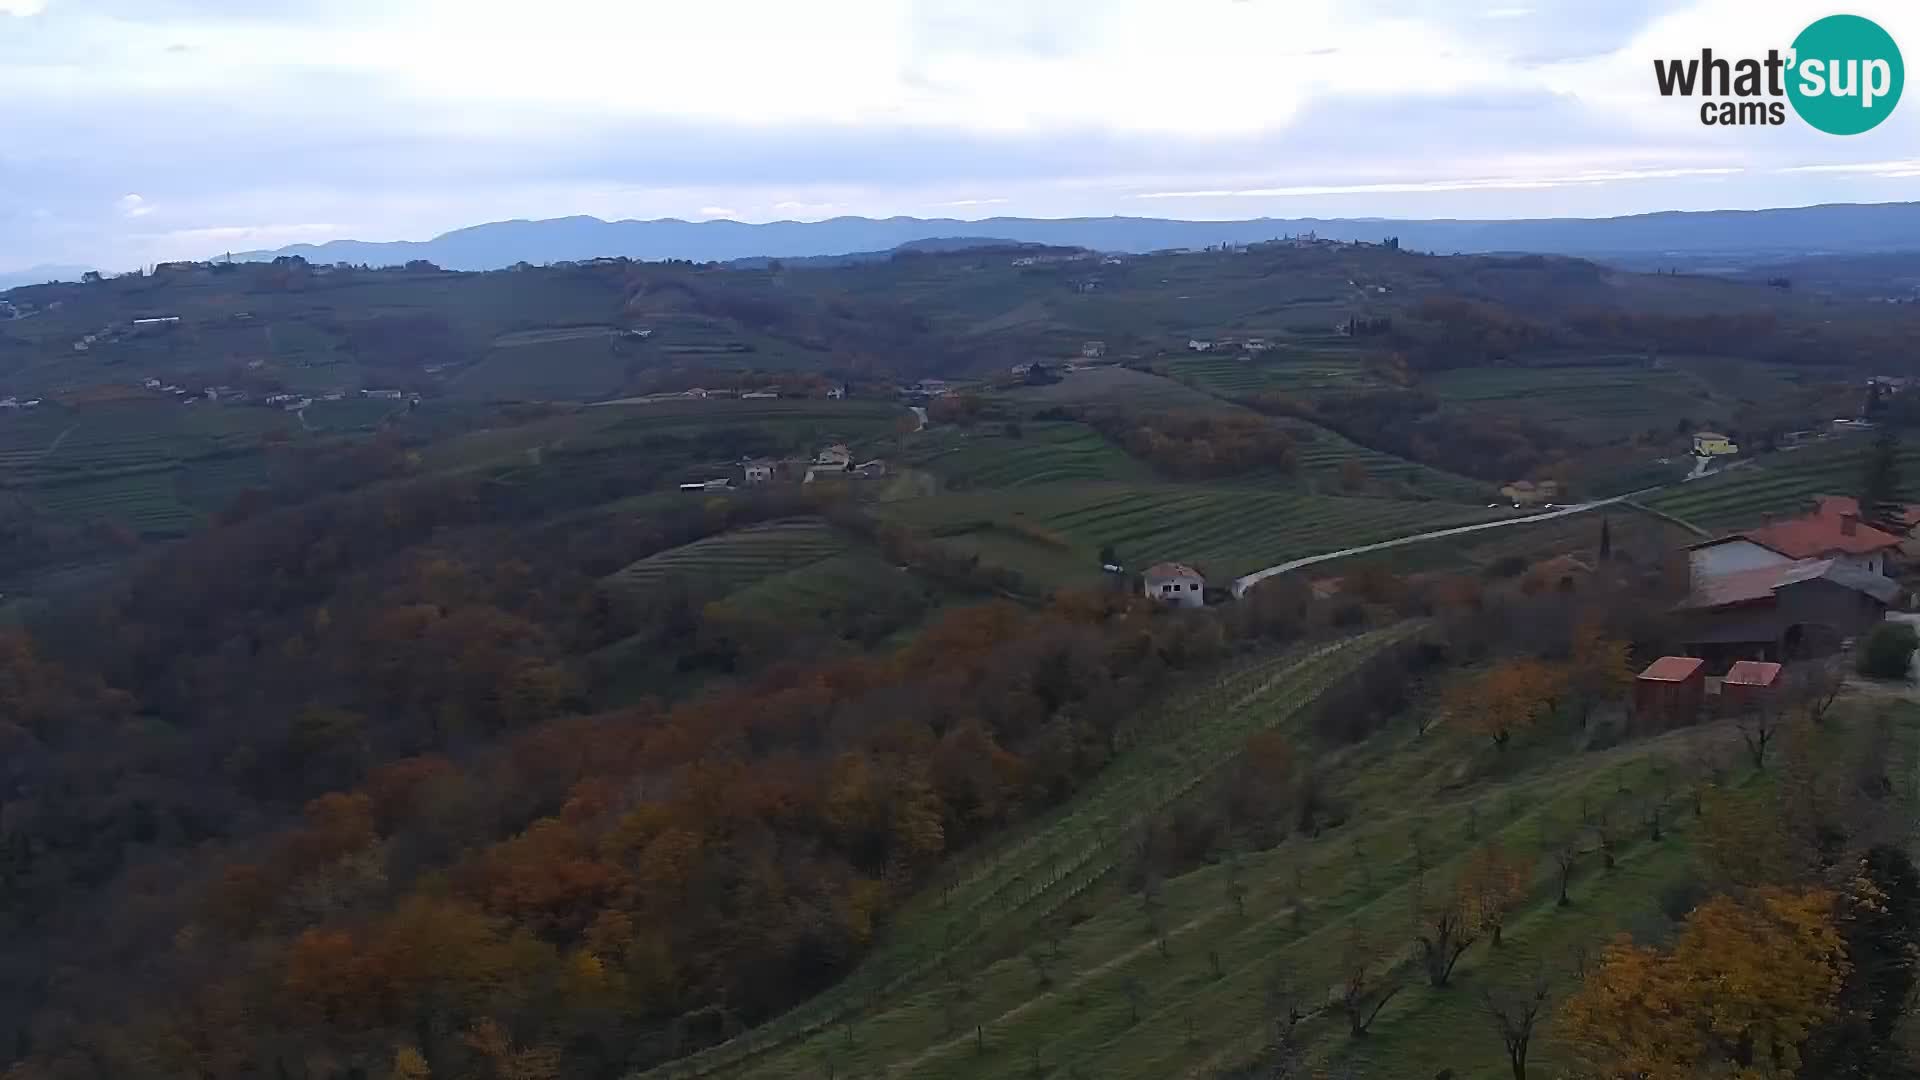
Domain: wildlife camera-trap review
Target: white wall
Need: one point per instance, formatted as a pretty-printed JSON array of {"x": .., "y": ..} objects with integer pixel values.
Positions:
[
  {"x": 1185, "y": 591},
  {"x": 1732, "y": 556}
]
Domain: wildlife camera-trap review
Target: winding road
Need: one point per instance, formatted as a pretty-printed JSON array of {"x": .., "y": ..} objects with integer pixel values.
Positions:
[{"x": 1241, "y": 585}]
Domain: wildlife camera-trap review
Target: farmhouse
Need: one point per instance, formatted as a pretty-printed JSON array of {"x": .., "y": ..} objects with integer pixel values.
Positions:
[
  {"x": 836, "y": 455},
  {"x": 757, "y": 472},
  {"x": 1198, "y": 345},
  {"x": 1784, "y": 610},
  {"x": 1531, "y": 493},
  {"x": 1712, "y": 444},
  {"x": 1093, "y": 350},
  {"x": 1175, "y": 583},
  {"x": 391, "y": 395}
]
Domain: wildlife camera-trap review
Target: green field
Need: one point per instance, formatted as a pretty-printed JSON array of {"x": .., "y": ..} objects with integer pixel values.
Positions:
[
  {"x": 1782, "y": 483},
  {"x": 1599, "y": 403},
  {"x": 1043, "y": 452},
  {"x": 735, "y": 559},
  {"x": 1226, "y": 532}
]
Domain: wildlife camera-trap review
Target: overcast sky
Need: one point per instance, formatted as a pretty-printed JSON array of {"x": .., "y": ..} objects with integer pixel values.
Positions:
[{"x": 135, "y": 130}]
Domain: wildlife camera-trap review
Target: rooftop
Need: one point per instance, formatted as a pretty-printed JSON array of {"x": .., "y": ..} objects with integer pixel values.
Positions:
[
  {"x": 1751, "y": 673},
  {"x": 1746, "y": 586},
  {"x": 1672, "y": 669},
  {"x": 1171, "y": 570}
]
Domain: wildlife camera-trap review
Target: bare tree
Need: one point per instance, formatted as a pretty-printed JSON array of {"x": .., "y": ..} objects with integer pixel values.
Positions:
[
  {"x": 1362, "y": 993},
  {"x": 1136, "y": 996},
  {"x": 1443, "y": 933},
  {"x": 1287, "y": 1006},
  {"x": 1759, "y": 724},
  {"x": 1563, "y": 847},
  {"x": 1515, "y": 1014},
  {"x": 1812, "y": 687}
]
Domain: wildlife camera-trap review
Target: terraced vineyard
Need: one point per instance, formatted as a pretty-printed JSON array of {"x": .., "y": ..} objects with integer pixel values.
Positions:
[
  {"x": 1323, "y": 452},
  {"x": 1226, "y": 531},
  {"x": 1603, "y": 403},
  {"x": 1001, "y": 894},
  {"x": 145, "y": 502},
  {"x": 735, "y": 559},
  {"x": 1784, "y": 483},
  {"x": 1110, "y": 386},
  {"x": 1051, "y": 452}
]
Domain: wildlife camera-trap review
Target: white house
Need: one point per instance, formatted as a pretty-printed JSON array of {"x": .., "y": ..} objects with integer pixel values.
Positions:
[
  {"x": 757, "y": 472},
  {"x": 1198, "y": 345},
  {"x": 836, "y": 455},
  {"x": 837, "y": 393},
  {"x": 1175, "y": 583}
]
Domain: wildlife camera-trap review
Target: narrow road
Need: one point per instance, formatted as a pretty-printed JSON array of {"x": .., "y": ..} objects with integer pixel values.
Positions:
[{"x": 1241, "y": 585}]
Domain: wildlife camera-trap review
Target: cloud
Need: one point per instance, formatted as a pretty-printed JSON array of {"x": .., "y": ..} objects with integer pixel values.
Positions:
[
  {"x": 22, "y": 8},
  {"x": 394, "y": 120}
]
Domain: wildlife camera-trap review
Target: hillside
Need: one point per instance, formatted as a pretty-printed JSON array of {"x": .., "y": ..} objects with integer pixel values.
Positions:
[{"x": 1884, "y": 227}]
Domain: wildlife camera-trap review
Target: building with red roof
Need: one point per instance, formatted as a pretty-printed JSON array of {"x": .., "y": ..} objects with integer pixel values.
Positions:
[{"x": 1669, "y": 692}]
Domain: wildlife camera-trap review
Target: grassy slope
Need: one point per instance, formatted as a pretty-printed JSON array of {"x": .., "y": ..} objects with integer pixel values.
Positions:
[
  {"x": 1303, "y": 900},
  {"x": 999, "y": 895}
]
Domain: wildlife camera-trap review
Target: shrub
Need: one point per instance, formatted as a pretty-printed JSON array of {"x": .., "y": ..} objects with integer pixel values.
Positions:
[{"x": 1888, "y": 651}]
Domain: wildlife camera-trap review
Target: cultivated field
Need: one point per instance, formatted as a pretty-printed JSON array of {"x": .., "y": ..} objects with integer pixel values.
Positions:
[
  {"x": 735, "y": 559},
  {"x": 1782, "y": 483},
  {"x": 1043, "y": 452},
  {"x": 1225, "y": 531},
  {"x": 1594, "y": 402}
]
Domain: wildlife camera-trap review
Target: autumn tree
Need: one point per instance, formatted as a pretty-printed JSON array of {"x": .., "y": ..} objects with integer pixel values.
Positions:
[
  {"x": 1504, "y": 699},
  {"x": 1598, "y": 671},
  {"x": 1741, "y": 991},
  {"x": 1497, "y": 882}
]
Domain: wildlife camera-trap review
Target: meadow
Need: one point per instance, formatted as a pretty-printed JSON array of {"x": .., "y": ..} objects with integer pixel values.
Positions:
[
  {"x": 1598, "y": 403},
  {"x": 1042, "y": 452}
]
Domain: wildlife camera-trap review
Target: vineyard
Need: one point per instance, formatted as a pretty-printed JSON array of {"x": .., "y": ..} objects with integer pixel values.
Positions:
[
  {"x": 985, "y": 902},
  {"x": 1296, "y": 373},
  {"x": 1225, "y": 531},
  {"x": 1781, "y": 484},
  {"x": 1603, "y": 403},
  {"x": 1041, "y": 453},
  {"x": 1110, "y": 386},
  {"x": 735, "y": 559}
]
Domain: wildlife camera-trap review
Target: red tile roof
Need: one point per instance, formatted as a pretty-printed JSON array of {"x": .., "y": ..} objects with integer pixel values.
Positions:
[
  {"x": 1672, "y": 669},
  {"x": 1821, "y": 534},
  {"x": 1744, "y": 586},
  {"x": 1751, "y": 673}
]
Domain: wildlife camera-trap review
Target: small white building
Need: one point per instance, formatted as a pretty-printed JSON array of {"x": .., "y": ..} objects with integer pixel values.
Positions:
[
  {"x": 1092, "y": 350},
  {"x": 1197, "y": 345},
  {"x": 757, "y": 472},
  {"x": 837, "y": 393},
  {"x": 835, "y": 456},
  {"x": 1175, "y": 583},
  {"x": 758, "y": 395}
]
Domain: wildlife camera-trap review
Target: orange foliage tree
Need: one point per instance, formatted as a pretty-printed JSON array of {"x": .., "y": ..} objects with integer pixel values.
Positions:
[
  {"x": 1739, "y": 993},
  {"x": 1504, "y": 699}
]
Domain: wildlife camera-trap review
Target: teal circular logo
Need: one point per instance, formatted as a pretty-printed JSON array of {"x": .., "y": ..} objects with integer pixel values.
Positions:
[{"x": 1846, "y": 74}]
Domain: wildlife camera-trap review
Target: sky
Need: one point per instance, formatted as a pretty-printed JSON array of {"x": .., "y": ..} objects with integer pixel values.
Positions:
[{"x": 138, "y": 130}]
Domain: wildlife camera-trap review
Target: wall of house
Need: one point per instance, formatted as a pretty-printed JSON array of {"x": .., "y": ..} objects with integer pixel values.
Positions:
[
  {"x": 1185, "y": 591},
  {"x": 1732, "y": 556},
  {"x": 1875, "y": 563},
  {"x": 1822, "y": 603}
]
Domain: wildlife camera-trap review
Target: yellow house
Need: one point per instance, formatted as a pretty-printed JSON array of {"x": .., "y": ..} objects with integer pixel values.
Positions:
[{"x": 1712, "y": 444}]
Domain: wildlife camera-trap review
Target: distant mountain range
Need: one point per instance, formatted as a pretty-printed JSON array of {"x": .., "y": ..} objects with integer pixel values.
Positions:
[
  {"x": 39, "y": 275},
  {"x": 1699, "y": 239},
  {"x": 1844, "y": 228}
]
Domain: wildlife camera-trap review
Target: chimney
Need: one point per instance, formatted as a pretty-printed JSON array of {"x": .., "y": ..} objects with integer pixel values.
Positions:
[{"x": 1849, "y": 524}]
